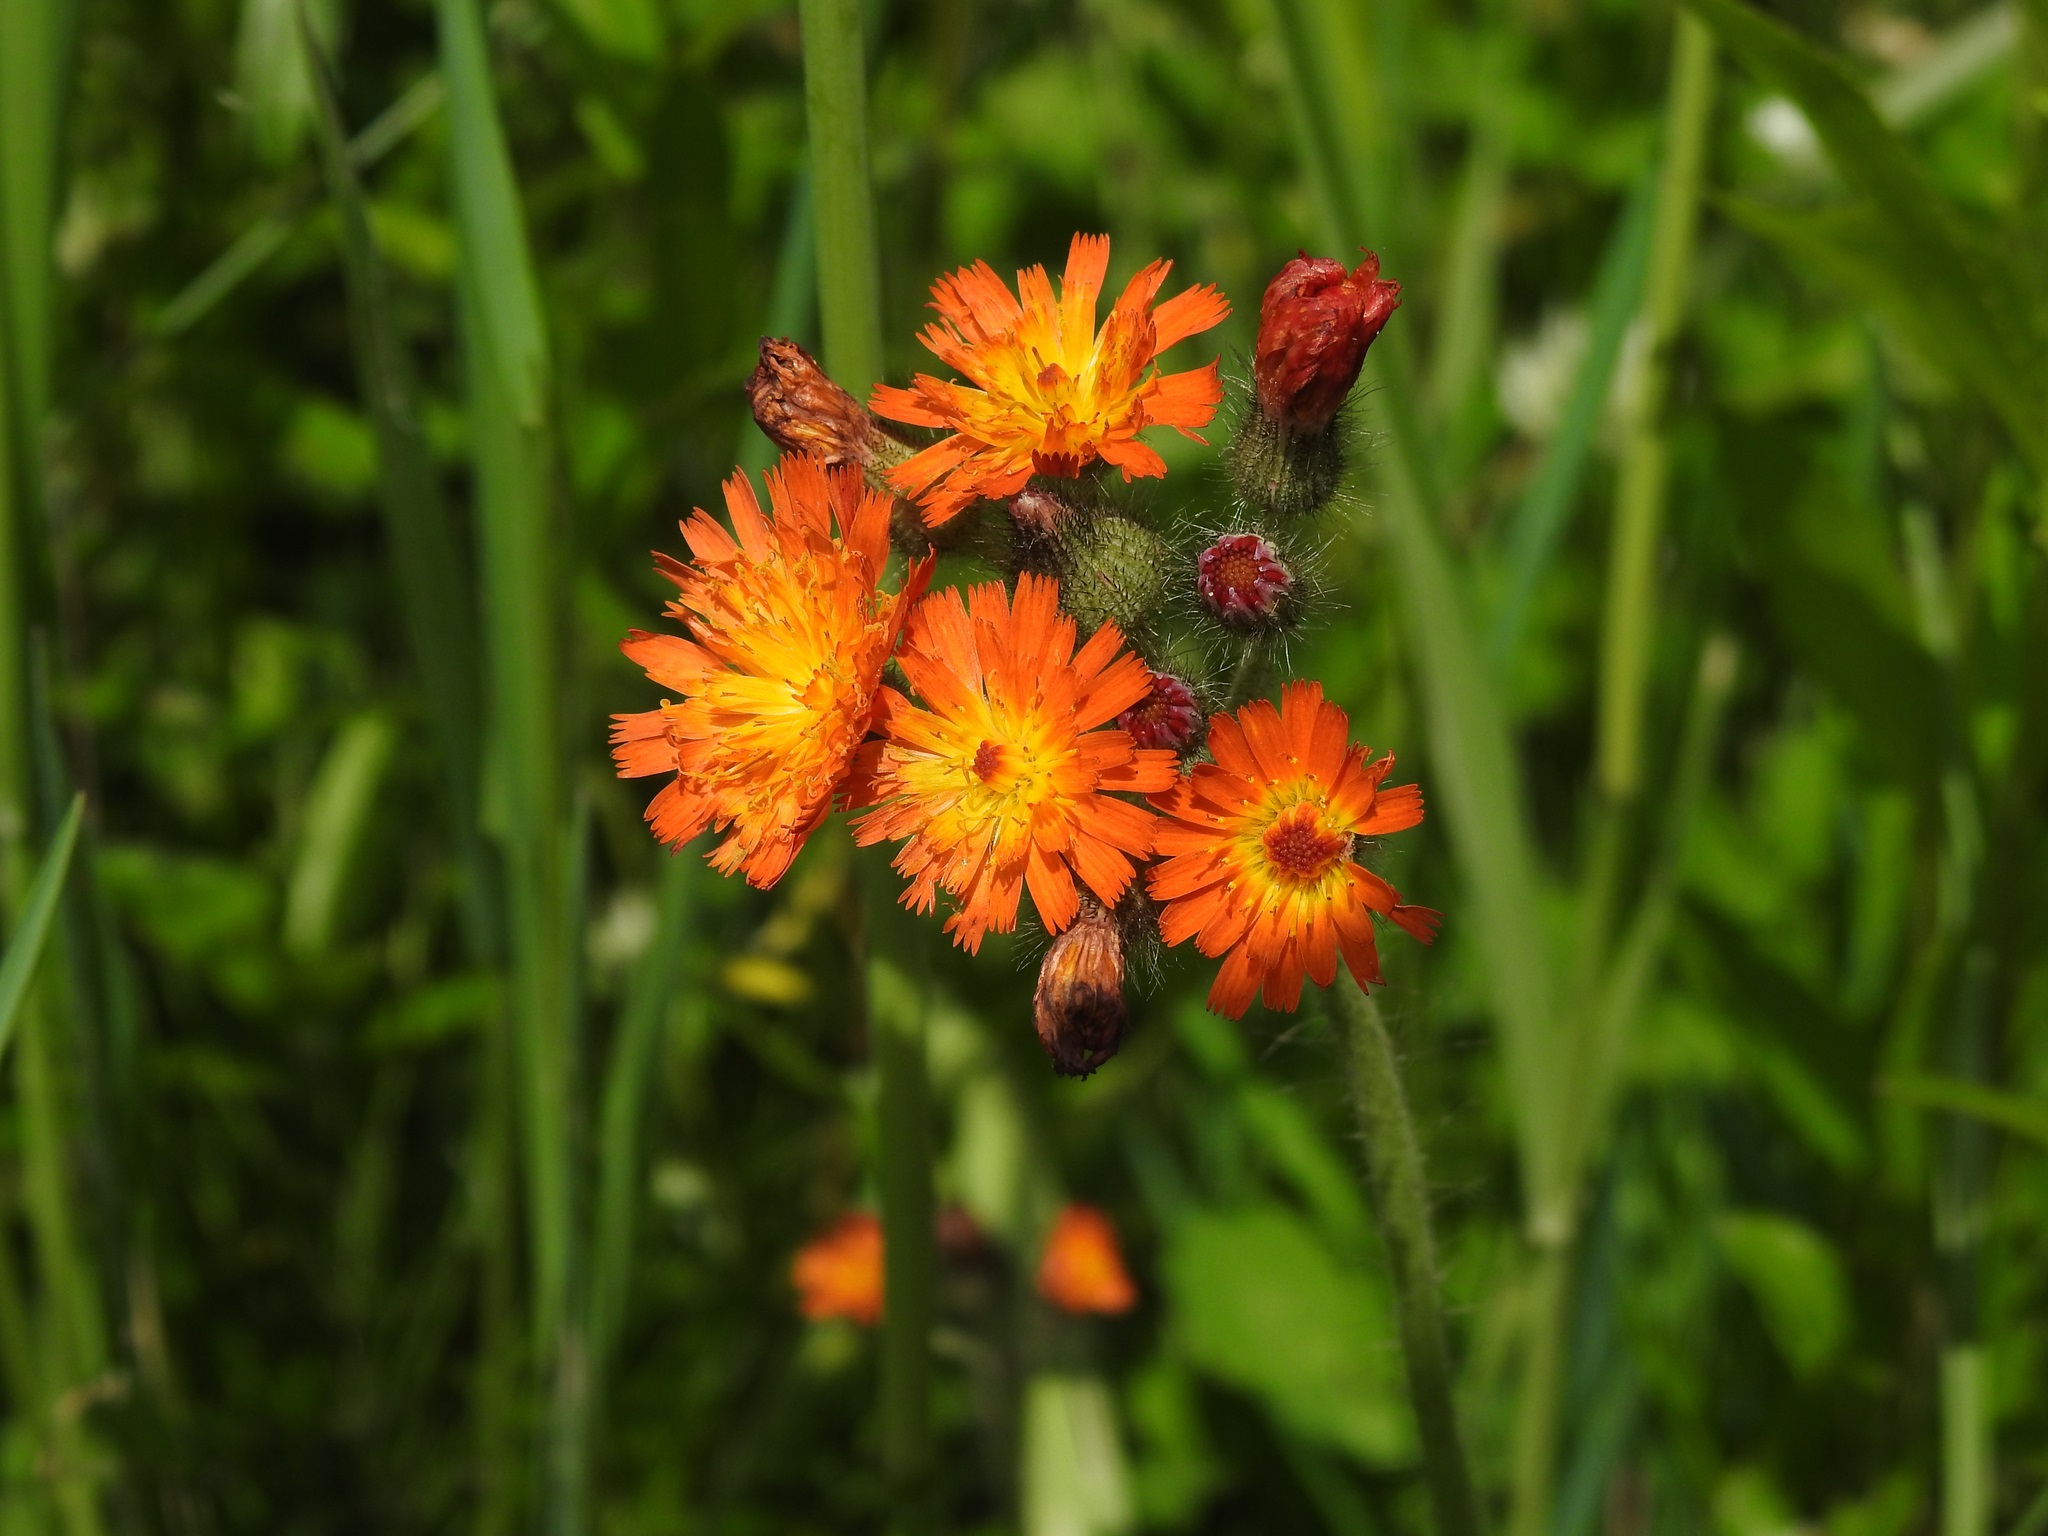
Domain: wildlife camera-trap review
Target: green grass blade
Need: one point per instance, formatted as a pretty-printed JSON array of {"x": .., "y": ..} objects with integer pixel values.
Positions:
[
  {"x": 628, "y": 1083},
  {"x": 435, "y": 588},
  {"x": 507, "y": 357},
  {"x": 1539, "y": 521},
  {"x": 1476, "y": 781},
  {"x": 1989, "y": 313},
  {"x": 2010, "y": 1112},
  {"x": 31, "y": 933}
]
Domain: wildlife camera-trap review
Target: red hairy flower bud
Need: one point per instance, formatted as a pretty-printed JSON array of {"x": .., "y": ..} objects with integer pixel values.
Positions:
[
  {"x": 1079, "y": 1010},
  {"x": 1243, "y": 581},
  {"x": 1166, "y": 718},
  {"x": 1315, "y": 324}
]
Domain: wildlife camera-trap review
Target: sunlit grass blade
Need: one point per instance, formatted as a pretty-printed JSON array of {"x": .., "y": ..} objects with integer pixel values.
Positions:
[
  {"x": 31, "y": 929},
  {"x": 1539, "y": 520},
  {"x": 337, "y": 819}
]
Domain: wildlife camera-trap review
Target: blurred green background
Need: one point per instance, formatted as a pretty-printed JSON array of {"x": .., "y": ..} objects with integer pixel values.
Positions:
[{"x": 1766, "y": 1235}]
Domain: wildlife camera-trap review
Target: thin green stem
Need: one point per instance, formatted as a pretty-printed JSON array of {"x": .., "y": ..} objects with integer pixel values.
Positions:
[
  {"x": 850, "y": 315},
  {"x": 896, "y": 1008},
  {"x": 1400, "y": 1202},
  {"x": 1247, "y": 678},
  {"x": 1629, "y": 634},
  {"x": 1959, "y": 1221},
  {"x": 849, "y": 263},
  {"x": 1532, "y": 1467}
]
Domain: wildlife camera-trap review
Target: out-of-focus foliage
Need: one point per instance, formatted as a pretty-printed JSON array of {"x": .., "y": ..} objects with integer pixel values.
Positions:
[{"x": 278, "y": 1179}]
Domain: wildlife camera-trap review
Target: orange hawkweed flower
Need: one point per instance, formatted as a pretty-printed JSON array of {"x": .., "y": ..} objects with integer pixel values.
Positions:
[
  {"x": 1257, "y": 852},
  {"x": 1047, "y": 394},
  {"x": 788, "y": 635},
  {"x": 1083, "y": 1270},
  {"x": 1005, "y": 780},
  {"x": 838, "y": 1273}
]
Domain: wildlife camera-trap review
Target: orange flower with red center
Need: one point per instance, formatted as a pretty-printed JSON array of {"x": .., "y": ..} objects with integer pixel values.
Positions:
[
  {"x": 1083, "y": 1270},
  {"x": 1257, "y": 852},
  {"x": 1047, "y": 394},
  {"x": 839, "y": 1272},
  {"x": 1005, "y": 780},
  {"x": 788, "y": 635}
]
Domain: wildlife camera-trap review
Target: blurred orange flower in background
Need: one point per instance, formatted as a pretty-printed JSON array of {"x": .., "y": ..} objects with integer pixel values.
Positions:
[
  {"x": 1047, "y": 394},
  {"x": 788, "y": 634},
  {"x": 1257, "y": 852},
  {"x": 838, "y": 1274},
  {"x": 1083, "y": 1269},
  {"x": 1006, "y": 779}
]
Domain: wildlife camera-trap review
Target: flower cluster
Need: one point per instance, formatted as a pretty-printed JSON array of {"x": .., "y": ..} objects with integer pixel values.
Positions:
[
  {"x": 1054, "y": 735},
  {"x": 838, "y": 1273}
]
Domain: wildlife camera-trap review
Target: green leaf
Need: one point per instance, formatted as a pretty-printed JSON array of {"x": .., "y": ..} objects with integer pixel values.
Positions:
[
  {"x": 625, "y": 29},
  {"x": 25, "y": 945},
  {"x": 1796, "y": 1281},
  {"x": 1987, "y": 313},
  {"x": 1075, "y": 1482},
  {"x": 1259, "y": 1303},
  {"x": 337, "y": 818}
]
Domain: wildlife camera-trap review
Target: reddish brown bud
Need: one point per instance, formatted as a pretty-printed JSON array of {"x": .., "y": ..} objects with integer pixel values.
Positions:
[
  {"x": 1244, "y": 582},
  {"x": 800, "y": 410},
  {"x": 1315, "y": 324},
  {"x": 1039, "y": 512},
  {"x": 959, "y": 1234},
  {"x": 1079, "y": 1009},
  {"x": 1167, "y": 717}
]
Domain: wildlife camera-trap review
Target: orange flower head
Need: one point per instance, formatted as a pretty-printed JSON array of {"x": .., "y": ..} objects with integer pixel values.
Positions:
[
  {"x": 1047, "y": 394},
  {"x": 838, "y": 1273},
  {"x": 1256, "y": 852},
  {"x": 1083, "y": 1270},
  {"x": 1005, "y": 779},
  {"x": 788, "y": 635}
]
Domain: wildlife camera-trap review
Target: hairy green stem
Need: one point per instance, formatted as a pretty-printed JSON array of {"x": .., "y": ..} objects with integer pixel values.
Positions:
[{"x": 1400, "y": 1202}]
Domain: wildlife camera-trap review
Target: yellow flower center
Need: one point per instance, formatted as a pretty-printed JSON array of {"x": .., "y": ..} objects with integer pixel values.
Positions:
[{"x": 1301, "y": 846}]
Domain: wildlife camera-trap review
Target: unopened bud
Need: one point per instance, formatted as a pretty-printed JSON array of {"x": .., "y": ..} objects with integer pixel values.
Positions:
[
  {"x": 1244, "y": 583},
  {"x": 1043, "y": 513},
  {"x": 1079, "y": 1008},
  {"x": 1112, "y": 571},
  {"x": 1167, "y": 718},
  {"x": 1315, "y": 324},
  {"x": 800, "y": 410}
]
